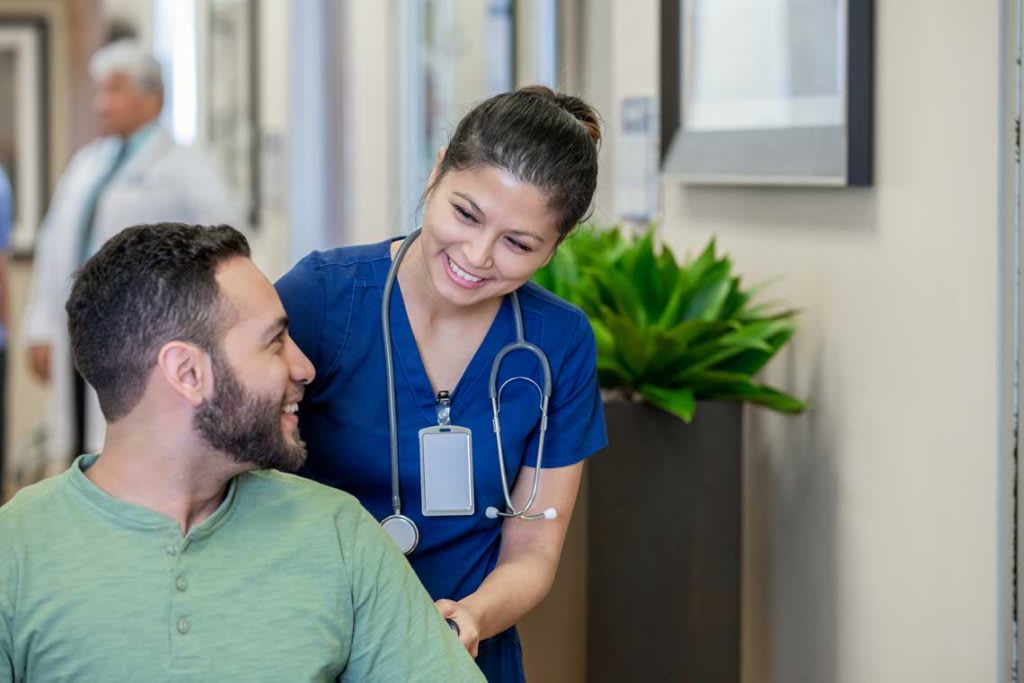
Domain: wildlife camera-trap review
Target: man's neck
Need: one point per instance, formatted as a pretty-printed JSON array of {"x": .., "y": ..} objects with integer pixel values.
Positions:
[
  {"x": 183, "y": 479},
  {"x": 129, "y": 135}
]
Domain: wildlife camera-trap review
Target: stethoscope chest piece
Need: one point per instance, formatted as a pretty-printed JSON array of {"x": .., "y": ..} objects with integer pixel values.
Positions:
[{"x": 402, "y": 531}]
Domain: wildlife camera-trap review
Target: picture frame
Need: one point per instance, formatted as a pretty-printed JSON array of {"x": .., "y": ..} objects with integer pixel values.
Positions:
[
  {"x": 24, "y": 124},
  {"x": 232, "y": 121},
  {"x": 767, "y": 92}
]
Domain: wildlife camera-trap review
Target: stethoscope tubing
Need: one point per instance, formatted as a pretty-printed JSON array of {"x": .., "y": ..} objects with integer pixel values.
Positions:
[
  {"x": 520, "y": 344},
  {"x": 389, "y": 366}
]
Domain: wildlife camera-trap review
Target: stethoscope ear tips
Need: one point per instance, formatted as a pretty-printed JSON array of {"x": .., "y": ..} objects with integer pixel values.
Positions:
[{"x": 550, "y": 513}]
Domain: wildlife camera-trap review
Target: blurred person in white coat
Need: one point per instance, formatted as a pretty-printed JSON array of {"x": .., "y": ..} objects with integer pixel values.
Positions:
[{"x": 133, "y": 173}]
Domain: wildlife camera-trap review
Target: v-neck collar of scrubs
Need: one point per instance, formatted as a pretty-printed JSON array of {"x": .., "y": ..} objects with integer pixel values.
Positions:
[
  {"x": 139, "y": 517},
  {"x": 407, "y": 351}
]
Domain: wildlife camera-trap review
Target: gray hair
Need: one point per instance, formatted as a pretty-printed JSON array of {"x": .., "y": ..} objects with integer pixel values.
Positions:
[{"x": 129, "y": 58}]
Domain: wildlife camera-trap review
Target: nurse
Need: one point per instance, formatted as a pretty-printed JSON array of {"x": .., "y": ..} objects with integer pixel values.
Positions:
[{"x": 516, "y": 178}]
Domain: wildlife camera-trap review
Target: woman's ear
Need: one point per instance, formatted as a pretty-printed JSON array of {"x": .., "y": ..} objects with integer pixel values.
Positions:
[
  {"x": 185, "y": 370},
  {"x": 551, "y": 255},
  {"x": 437, "y": 168},
  {"x": 554, "y": 250}
]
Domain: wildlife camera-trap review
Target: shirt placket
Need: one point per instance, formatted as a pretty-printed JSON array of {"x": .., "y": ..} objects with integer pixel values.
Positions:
[{"x": 182, "y": 612}]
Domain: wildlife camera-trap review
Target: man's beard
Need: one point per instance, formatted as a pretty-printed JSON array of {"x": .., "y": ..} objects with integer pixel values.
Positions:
[{"x": 244, "y": 425}]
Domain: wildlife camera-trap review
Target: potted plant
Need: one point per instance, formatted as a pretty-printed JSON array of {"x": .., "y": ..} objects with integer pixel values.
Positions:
[{"x": 673, "y": 339}]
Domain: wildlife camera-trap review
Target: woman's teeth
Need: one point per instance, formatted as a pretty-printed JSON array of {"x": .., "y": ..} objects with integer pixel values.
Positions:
[{"x": 461, "y": 273}]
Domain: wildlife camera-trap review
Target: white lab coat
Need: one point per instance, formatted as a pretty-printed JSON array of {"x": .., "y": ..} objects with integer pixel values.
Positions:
[{"x": 162, "y": 181}]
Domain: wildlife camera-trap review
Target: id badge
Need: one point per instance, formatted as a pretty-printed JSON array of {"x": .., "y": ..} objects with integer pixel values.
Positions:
[{"x": 446, "y": 471}]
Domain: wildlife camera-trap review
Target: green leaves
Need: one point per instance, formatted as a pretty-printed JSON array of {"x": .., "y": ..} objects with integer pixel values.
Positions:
[{"x": 672, "y": 333}]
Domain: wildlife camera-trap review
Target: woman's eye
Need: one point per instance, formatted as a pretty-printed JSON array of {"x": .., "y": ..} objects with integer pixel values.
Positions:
[
  {"x": 463, "y": 214},
  {"x": 516, "y": 244}
]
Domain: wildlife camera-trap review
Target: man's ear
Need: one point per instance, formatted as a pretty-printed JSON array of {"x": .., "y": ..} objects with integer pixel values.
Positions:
[{"x": 186, "y": 369}]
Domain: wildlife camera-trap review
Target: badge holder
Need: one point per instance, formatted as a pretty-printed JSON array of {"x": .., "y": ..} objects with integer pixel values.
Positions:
[{"x": 446, "y": 465}]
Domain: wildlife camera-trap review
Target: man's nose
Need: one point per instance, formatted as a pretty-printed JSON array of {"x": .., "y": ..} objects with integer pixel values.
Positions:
[{"x": 302, "y": 370}]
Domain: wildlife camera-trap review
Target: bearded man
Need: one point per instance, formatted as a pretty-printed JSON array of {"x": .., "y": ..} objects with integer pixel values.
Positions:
[{"x": 180, "y": 552}]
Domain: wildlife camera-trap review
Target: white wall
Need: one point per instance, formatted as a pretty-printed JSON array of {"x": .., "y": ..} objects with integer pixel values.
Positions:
[
  {"x": 270, "y": 242},
  {"x": 371, "y": 122},
  {"x": 871, "y": 522},
  {"x": 304, "y": 187},
  {"x": 138, "y": 12}
]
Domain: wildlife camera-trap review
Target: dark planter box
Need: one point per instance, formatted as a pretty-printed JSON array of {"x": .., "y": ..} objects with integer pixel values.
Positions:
[{"x": 664, "y": 547}]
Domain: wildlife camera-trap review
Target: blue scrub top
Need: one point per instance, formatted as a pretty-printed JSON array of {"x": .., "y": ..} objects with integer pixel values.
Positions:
[{"x": 333, "y": 301}]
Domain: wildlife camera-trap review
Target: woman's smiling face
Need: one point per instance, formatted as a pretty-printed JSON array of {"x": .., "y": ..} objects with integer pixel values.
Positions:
[{"x": 485, "y": 233}]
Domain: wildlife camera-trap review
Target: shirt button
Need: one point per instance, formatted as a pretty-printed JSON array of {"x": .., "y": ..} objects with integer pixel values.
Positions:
[
  {"x": 181, "y": 584},
  {"x": 171, "y": 549},
  {"x": 183, "y": 626}
]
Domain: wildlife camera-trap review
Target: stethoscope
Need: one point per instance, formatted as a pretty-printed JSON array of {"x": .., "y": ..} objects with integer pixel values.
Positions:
[{"x": 399, "y": 527}]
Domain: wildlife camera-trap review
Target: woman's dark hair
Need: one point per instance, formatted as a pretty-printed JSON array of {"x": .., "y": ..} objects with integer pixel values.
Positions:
[
  {"x": 541, "y": 137},
  {"x": 147, "y": 286}
]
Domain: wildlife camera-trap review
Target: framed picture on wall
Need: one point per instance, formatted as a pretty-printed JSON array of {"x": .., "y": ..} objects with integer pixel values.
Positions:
[
  {"x": 24, "y": 117},
  {"x": 231, "y": 97},
  {"x": 767, "y": 92}
]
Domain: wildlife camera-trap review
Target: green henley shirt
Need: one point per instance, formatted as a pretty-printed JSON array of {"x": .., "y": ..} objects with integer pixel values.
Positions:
[{"x": 286, "y": 581}]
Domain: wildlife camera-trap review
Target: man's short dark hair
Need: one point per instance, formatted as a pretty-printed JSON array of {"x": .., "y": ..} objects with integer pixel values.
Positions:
[{"x": 147, "y": 286}]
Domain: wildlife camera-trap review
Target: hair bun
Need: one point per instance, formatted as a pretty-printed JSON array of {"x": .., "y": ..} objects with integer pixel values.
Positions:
[
  {"x": 583, "y": 113},
  {"x": 580, "y": 110}
]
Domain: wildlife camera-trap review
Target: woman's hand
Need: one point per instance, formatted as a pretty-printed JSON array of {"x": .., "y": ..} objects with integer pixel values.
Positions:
[
  {"x": 469, "y": 627},
  {"x": 527, "y": 560}
]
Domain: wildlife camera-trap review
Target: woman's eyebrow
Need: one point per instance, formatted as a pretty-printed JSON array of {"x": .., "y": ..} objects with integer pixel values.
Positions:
[
  {"x": 527, "y": 233},
  {"x": 471, "y": 202}
]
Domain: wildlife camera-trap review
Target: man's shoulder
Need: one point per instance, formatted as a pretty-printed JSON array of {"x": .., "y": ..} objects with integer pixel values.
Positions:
[
  {"x": 173, "y": 156},
  {"x": 29, "y": 502},
  {"x": 169, "y": 159},
  {"x": 274, "y": 485},
  {"x": 90, "y": 152}
]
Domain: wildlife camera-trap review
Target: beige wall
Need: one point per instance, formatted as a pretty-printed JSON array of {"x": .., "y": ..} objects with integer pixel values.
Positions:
[
  {"x": 871, "y": 524},
  {"x": 871, "y": 549}
]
